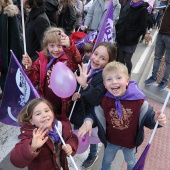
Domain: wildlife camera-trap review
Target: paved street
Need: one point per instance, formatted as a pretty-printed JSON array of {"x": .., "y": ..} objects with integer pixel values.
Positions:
[{"x": 159, "y": 152}]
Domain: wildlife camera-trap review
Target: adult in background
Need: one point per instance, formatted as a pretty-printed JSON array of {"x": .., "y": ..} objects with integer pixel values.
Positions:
[
  {"x": 51, "y": 7},
  {"x": 129, "y": 31},
  {"x": 9, "y": 37},
  {"x": 67, "y": 16},
  {"x": 162, "y": 48},
  {"x": 36, "y": 23},
  {"x": 78, "y": 4},
  {"x": 96, "y": 13}
]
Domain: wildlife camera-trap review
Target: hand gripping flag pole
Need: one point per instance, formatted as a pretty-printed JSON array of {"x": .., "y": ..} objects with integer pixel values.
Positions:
[
  {"x": 62, "y": 140},
  {"x": 141, "y": 162}
]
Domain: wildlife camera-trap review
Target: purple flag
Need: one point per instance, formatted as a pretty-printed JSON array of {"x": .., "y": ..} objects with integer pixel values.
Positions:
[
  {"x": 106, "y": 33},
  {"x": 141, "y": 162},
  {"x": 17, "y": 93},
  {"x": 88, "y": 38}
]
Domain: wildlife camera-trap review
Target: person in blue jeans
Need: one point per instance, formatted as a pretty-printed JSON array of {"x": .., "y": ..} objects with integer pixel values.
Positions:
[
  {"x": 92, "y": 90},
  {"x": 162, "y": 49},
  {"x": 121, "y": 116}
]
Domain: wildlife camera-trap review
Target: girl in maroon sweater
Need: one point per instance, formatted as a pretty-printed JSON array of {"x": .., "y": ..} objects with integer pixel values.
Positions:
[{"x": 40, "y": 146}]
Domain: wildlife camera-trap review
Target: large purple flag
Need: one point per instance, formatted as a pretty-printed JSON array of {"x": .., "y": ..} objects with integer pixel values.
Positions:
[
  {"x": 106, "y": 33},
  {"x": 17, "y": 93}
]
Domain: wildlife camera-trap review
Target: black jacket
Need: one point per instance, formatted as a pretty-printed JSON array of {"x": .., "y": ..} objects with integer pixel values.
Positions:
[
  {"x": 90, "y": 97},
  {"x": 36, "y": 25},
  {"x": 67, "y": 18},
  {"x": 133, "y": 25}
]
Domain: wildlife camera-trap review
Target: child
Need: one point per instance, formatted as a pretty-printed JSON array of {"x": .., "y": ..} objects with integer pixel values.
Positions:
[
  {"x": 88, "y": 48},
  {"x": 40, "y": 146},
  {"x": 56, "y": 47},
  {"x": 125, "y": 114},
  {"x": 91, "y": 81}
]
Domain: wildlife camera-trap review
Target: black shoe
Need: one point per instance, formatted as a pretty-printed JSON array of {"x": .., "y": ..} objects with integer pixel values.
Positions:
[{"x": 89, "y": 162}]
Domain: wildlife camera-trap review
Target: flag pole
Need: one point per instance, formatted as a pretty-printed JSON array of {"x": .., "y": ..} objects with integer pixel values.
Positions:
[
  {"x": 23, "y": 29},
  {"x": 62, "y": 140},
  {"x": 163, "y": 108},
  {"x": 140, "y": 164}
]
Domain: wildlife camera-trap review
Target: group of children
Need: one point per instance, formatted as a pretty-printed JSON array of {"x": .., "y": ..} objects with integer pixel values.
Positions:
[{"x": 103, "y": 82}]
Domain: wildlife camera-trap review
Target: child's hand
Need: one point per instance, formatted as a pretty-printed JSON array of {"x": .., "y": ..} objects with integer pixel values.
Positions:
[
  {"x": 76, "y": 96},
  {"x": 68, "y": 149},
  {"x": 26, "y": 61},
  {"x": 84, "y": 27},
  {"x": 38, "y": 138},
  {"x": 85, "y": 128},
  {"x": 82, "y": 79},
  {"x": 160, "y": 118},
  {"x": 65, "y": 40}
]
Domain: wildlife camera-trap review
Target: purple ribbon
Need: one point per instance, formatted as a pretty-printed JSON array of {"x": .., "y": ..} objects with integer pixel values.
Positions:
[
  {"x": 134, "y": 5},
  {"x": 132, "y": 93},
  {"x": 93, "y": 72},
  {"x": 53, "y": 134}
]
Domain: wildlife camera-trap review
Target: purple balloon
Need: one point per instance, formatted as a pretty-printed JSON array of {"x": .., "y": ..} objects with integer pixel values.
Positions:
[
  {"x": 83, "y": 143},
  {"x": 94, "y": 139},
  {"x": 62, "y": 81}
]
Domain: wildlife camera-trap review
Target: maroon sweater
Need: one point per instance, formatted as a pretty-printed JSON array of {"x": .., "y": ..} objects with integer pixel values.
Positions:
[{"x": 121, "y": 131}]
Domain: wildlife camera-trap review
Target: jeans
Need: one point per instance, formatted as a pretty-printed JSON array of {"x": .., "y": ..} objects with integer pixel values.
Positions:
[
  {"x": 110, "y": 153},
  {"x": 93, "y": 147},
  {"x": 162, "y": 48}
]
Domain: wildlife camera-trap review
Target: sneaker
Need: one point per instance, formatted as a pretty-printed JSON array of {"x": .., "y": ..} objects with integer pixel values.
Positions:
[
  {"x": 162, "y": 86},
  {"x": 162, "y": 5},
  {"x": 89, "y": 162},
  {"x": 150, "y": 80}
]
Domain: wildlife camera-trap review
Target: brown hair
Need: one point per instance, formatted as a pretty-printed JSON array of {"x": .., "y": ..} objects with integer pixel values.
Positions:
[
  {"x": 111, "y": 49},
  {"x": 26, "y": 113},
  {"x": 116, "y": 67},
  {"x": 88, "y": 47},
  {"x": 51, "y": 35}
]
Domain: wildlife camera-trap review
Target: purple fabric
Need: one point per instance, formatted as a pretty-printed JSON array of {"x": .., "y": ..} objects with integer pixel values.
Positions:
[
  {"x": 93, "y": 72},
  {"x": 132, "y": 93},
  {"x": 53, "y": 134},
  {"x": 88, "y": 38},
  {"x": 106, "y": 33},
  {"x": 17, "y": 93},
  {"x": 51, "y": 60},
  {"x": 141, "y": 162},
  {"x": 134, "y": 5}
]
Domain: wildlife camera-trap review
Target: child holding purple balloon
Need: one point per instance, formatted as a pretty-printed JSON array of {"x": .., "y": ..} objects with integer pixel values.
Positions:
[
  {"x": 57, "y": 47},
  {"x": 92, "y": 90}
]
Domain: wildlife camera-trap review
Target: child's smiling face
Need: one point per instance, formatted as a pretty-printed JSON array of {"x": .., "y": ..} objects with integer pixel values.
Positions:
[
  {"x": 116, "y": 83},
  {"x": 42, "y": 116},
  {"x": 99, "y": 58},
  {"x": 55, "y": 49}
]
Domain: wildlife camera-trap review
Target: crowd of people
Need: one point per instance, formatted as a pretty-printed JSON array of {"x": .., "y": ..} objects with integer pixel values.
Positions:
[{"x": 102, "y": 73}]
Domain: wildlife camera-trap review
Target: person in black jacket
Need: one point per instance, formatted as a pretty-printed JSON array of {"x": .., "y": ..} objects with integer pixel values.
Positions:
[
  {"x": 36, "y": 24},
  {"x": 67, "y": 16},
  {"x": 92, "y": 90},
  {"x": 129, "y": 31}
]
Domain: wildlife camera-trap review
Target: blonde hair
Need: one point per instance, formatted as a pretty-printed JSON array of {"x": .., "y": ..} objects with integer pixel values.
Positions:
[
  {"x": 51, "y": 35},
  {"x": 116, "y": 67},
  {"x": 26, "y": 113}
]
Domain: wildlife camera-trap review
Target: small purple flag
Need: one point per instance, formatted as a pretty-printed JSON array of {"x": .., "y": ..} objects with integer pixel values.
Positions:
[
  {"x": 106, "y": 33},
  {"x": 17, "y": 93},
  {"x": 88, "y": 38},
  {"x": 141, "y": 162}
]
